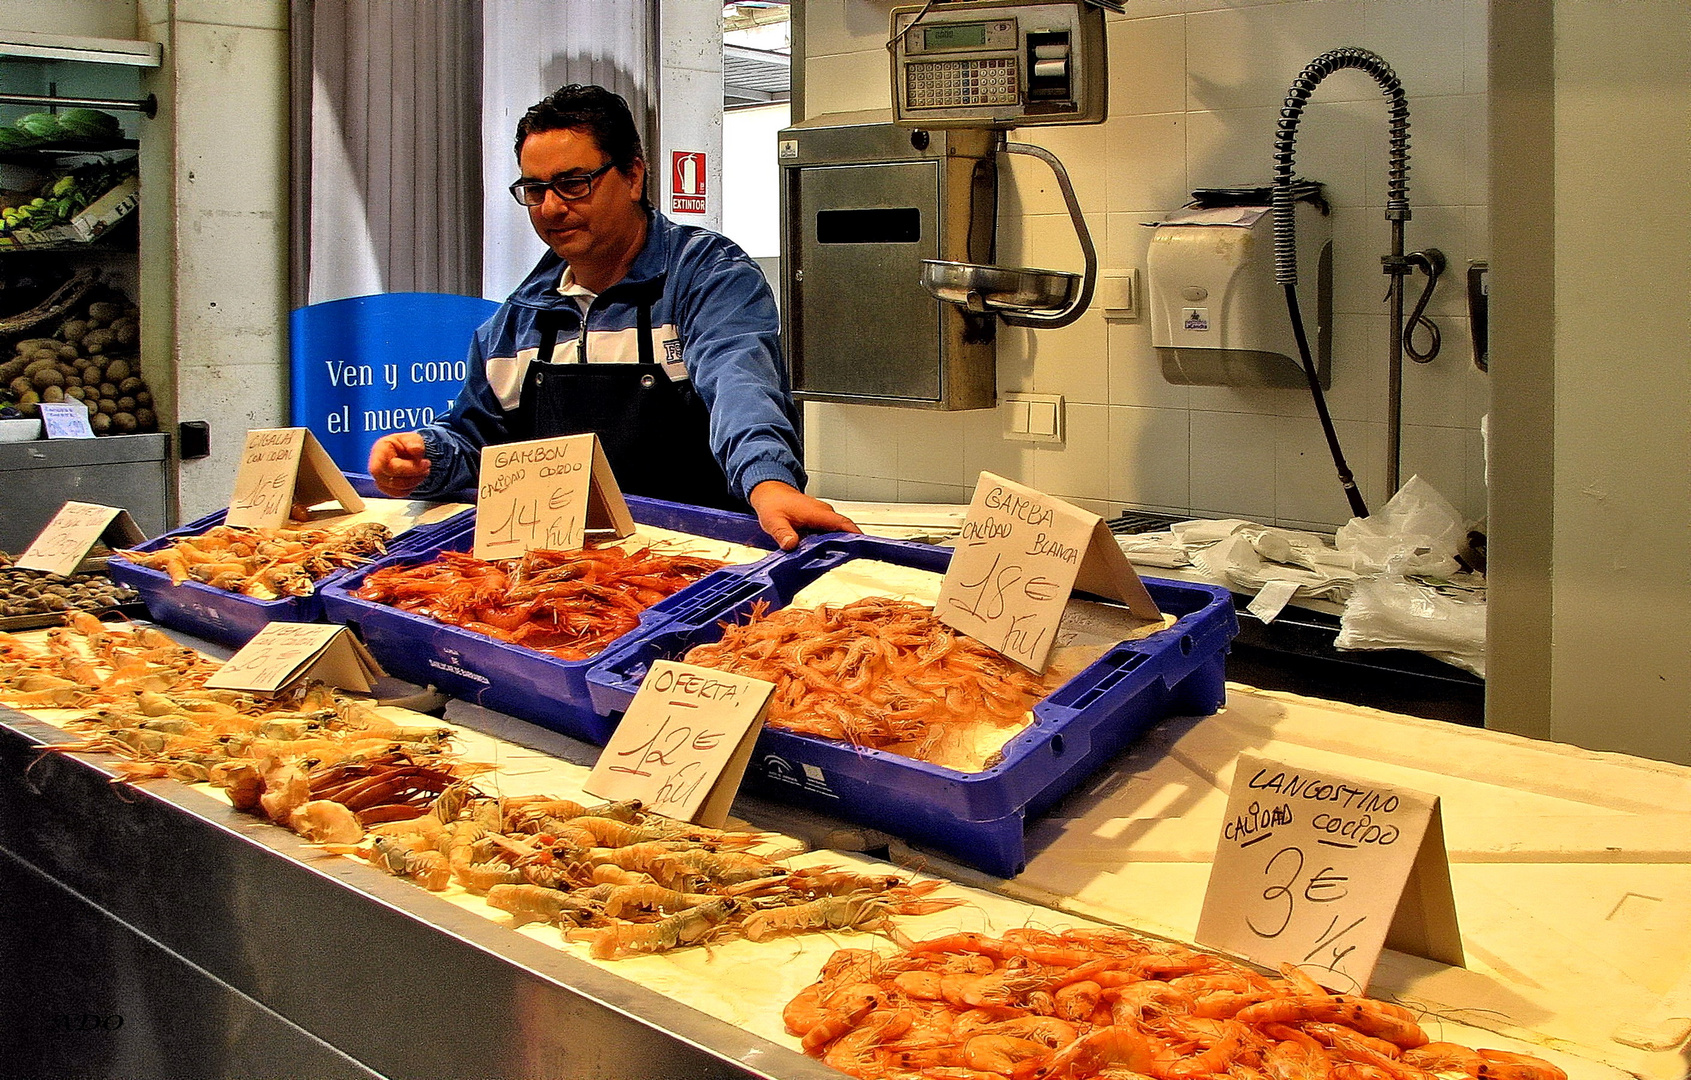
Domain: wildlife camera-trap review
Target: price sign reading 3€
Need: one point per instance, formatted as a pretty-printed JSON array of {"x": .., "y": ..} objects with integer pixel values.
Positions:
[
  {"x": 683, "y": 745},
  {"x": 1322, "y": 871}
]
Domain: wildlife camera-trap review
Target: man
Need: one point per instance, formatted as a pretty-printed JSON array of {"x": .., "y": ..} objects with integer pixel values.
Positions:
[{"x": 661, "y": 338}]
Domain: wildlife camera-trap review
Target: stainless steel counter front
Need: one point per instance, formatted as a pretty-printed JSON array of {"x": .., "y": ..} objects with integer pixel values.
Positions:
[{"x": 228, "y": 947}]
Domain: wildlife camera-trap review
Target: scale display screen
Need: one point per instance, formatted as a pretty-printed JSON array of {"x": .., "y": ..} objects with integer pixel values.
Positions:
[{"x": 954, "y": 36}]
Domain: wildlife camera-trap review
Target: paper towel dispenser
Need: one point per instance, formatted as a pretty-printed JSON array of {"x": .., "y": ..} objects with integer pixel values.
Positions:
[{"x": 1218, "y": 318}]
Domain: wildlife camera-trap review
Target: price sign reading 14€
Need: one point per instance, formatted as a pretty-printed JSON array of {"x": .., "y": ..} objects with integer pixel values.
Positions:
[
  {"x": 683, "y": 745},
  {"x": 544, "y": 494}
]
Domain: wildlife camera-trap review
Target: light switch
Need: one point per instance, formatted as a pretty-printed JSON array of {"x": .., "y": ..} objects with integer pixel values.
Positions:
[
  {"x": 1015, "y": 416},
  {"x": 1033, "y": 417},
  {"x": 1118, "y": 294},
  {"x": 1042, "y": 418}
]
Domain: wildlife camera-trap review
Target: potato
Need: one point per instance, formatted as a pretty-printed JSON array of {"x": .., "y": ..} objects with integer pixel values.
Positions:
[
  {"x": 125, "y": 404},
  {"x": 126, "y": 331},
  {"x": 97, "y": 342},
  {"x": 74, "y": 329},
  {"x": 100, "y": 422},
  {"x": 146, "y": 420},
  {"x": 104, "y": 312},
  {"x": 108, "y": 390},
  {"x": 66, "y": 350},
  {"x": 130, "y": 385},
  {"x": 108, "y": 406},
  {"x": 53, "y": 394},
  {"x": 20, "y": 386},
  {"x": 47, "y": 376},
  {"x": 11, "y": 369},
  {"x": 117, "y": 371},
  {"x": 76, "y": 392},
  {"x": 144, "y": 398},
  {"x": 123, "y": 423}
]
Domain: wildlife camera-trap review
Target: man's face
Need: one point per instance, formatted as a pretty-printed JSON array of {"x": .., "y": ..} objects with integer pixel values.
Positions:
[{"x": 603, "y": 222}]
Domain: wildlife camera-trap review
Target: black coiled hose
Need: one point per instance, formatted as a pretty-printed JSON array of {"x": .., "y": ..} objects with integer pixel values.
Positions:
[
  {"x": 1285, "y": 236},
  {"x": 1397, "y": 192}
]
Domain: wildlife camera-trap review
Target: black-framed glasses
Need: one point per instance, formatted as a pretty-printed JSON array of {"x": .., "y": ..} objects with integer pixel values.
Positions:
[{"x": 533, "y": 192}]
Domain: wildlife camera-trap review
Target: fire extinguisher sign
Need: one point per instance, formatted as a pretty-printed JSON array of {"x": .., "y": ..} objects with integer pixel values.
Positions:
[{"x": 687, "y": 182}]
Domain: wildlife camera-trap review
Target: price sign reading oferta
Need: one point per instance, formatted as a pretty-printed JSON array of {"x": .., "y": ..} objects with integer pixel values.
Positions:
[
  {"x": 1020, "y": 554},
  {"x": 545, "y": 493},
  {"x": 683, "y": 745},
  {"x": 282, "y": 468},
  {"x": 1322, "y": 871},
  {"x": 66, "y": 540},
  {"x": 283, "y": 653}
]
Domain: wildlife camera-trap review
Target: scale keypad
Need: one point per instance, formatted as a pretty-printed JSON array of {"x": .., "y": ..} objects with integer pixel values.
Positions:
[{"x": 951, "y": 83}]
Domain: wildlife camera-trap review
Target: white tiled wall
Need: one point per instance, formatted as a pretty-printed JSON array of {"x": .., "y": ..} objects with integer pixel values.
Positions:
[{"x": 1195, "y": 91}]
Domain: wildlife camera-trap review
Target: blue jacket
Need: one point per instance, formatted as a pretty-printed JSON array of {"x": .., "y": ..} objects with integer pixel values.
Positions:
[{"x": 715, "y": 324}]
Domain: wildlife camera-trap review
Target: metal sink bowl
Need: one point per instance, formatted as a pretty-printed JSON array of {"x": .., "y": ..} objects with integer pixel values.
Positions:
[{"x": 999, "y": 288}]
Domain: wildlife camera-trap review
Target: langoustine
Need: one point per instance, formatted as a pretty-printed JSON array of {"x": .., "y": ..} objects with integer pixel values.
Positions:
[
  {"x": 570, "y": 604},
  {"x": 266, "y": 564}
]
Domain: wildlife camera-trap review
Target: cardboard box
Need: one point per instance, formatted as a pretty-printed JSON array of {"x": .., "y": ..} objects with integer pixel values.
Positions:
[{"x": 91, "y": 223}]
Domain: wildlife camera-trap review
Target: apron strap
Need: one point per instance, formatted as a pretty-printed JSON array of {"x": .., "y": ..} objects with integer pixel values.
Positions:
[{"x": 547, "y": 322}]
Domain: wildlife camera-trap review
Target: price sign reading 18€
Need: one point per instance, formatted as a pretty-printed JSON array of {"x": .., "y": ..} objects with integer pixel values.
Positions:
[{"x": 683, "y": 745}]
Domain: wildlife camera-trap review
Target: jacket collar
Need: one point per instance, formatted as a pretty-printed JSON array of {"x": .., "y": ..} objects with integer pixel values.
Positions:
[{"x": 540, "y": 288}]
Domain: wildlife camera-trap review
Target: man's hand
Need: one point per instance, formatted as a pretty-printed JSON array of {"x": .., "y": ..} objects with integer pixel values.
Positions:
[
  {"x": 783, "y": 510},
  {"x": 397, "y": 463}
]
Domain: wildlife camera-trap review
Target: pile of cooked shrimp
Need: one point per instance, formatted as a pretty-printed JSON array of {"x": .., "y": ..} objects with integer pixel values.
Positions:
[
  {"x": 1038, "y": 1005},
  {"x": 570, "y": 604},
  {"x": 876, "y": 672}
]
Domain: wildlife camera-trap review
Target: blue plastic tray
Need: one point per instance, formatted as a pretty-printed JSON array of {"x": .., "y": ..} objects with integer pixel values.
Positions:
[
  {"x": 520, "y": 682},
  {"x": 230, "y": 618},
  {"x": 976, "y": 817}
]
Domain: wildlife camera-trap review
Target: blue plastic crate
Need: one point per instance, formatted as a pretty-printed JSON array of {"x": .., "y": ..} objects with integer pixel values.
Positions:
[
  {"x": 520, "y": 682},
  {"x": 230, "y": 618},
  {"x": 976, "y": 817}
]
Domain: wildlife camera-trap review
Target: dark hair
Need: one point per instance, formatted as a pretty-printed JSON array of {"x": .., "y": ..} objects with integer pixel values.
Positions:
[{"x": 599, "y": 112}]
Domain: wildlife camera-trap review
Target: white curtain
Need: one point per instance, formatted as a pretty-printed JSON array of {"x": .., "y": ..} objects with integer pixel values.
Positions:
[
  {"x": 532, "y": 47},
  {"x": 387, "y": 147}
]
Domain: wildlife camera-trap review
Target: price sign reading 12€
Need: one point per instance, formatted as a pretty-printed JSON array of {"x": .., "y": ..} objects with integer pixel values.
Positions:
[
  {"x": 1019, "y": 555},
  {"x": 684, "y": 743},
  {"x": 1322, "y": 871}
]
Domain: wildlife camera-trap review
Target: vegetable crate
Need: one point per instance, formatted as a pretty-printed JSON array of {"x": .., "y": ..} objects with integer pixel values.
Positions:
[
  {"x": 512, "y": 679},
  {"x": 230, "y": 618},
  {"x": 977, "y": 818}
]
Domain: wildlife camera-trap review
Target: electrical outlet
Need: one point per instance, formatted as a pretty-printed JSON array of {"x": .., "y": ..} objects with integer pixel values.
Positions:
[{"x": 1032, "y": 417}]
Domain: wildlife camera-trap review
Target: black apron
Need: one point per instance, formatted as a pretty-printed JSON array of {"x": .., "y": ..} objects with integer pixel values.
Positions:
[{"x": 656, "y": 432}]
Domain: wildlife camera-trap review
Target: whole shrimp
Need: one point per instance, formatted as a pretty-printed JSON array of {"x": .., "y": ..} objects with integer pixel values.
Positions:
[{"x": 693, "y": 926}]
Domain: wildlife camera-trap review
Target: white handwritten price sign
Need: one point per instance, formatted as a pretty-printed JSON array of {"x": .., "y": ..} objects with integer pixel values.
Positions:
[
  {"x": 283, "y": 653},
  {"x": 281, "y": 468},
  {"x": 1019, "y": 556},
  {"x": 545, "y": 493},
  {"x": 66, "y": 540},
  {"x": 683, "y": 745},
  {"x": 1323, "y": 870},
  {"x": 65, "y": 420}
]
